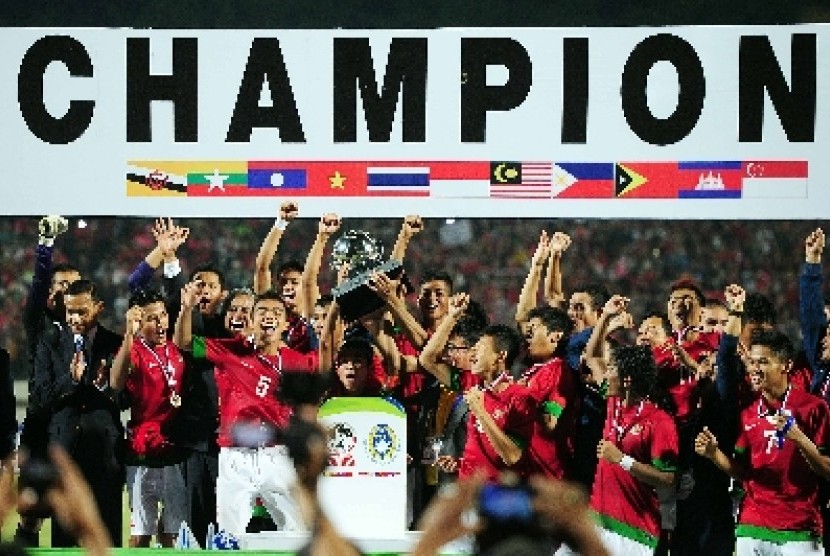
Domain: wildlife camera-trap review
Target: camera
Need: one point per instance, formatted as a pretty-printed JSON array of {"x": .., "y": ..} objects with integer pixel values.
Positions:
[
  {"x": 506, "y": 503},
  {"x": 506, "y": 509},
  {"x": 37, "y": 476}
]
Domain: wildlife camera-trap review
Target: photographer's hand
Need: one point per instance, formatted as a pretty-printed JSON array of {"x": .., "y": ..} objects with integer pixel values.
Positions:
[
  {"x": 74, "y": 506},
  {"x": 8, "y": 491},
  {"x": 445, "y": 519},
  {"x": 563, "y": 507}
]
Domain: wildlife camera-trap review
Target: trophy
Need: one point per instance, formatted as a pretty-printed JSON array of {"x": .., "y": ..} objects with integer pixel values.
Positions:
[{"x": 364, "y": 255}]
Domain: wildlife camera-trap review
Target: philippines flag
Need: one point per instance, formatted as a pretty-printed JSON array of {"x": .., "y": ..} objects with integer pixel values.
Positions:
[
  {"x": 406, "y": 180},
  {"x": 583, "y": 180}
]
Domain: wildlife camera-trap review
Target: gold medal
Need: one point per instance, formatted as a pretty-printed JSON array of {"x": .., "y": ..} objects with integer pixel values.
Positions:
[{"x": 175, "y": 399}]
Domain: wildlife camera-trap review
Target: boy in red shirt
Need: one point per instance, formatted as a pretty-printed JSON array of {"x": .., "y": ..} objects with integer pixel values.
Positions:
[
  {"x": 778, "y": 455},
  {"x": 151, "y": 368},
  {"x": 252, "y": 460}
]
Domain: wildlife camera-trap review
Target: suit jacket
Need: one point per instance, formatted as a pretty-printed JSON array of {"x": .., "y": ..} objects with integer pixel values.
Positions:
[{"x": 66, "y": 402}]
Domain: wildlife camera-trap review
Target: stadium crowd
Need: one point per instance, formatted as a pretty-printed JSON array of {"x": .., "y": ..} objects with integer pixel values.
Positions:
[{"x": 654, "y": 364}]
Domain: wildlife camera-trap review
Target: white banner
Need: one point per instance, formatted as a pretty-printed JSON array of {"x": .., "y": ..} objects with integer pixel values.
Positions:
[{"x": 675, "y": 122}]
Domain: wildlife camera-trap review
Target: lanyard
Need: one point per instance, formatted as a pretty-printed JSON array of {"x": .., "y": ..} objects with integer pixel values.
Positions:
[
  {"x": 764, "y": 409},
  {"x": 278, "y": 368},
  {"x": 499, "y": 379},
  {"x": 167, "y": 371},
  {"x": 166, "y": 367},
  {"x": 619, "y": 430}
]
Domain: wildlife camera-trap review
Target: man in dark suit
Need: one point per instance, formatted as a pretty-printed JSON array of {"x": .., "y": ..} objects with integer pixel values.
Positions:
[{"x": 71, "y": 374}]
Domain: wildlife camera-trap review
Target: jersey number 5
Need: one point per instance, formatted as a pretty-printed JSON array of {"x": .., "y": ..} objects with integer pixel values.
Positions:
[{"x": 263, "y": 385}]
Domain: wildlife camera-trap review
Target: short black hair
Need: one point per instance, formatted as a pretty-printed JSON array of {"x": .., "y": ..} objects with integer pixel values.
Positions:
[
  {"x": 505, "y": 339},
  {"x": 470, "y": 330},
  {"x": 209, "y": 267},
  {"x": 440, "y": 275},
  {"x": 688, "y": 284},
  {"x": 554, "y": 319},
  {"x": 714, "y": 302},
  {"x": 664, "y": 319},
  {"x": 63, "y": 267},
  {"x": 598, "y": 293},
  {"x": 290, "y": 266},
  {"x": 143, "y": 297},
  {"x": 324, "y": 300},
  {"x": 82, "y": 286},
  {"x": 776, "y": 341},
  {"x": 758, "y": 309},
  {"x": 269, "y": 294},
  {"x": 358, "y": 347}
]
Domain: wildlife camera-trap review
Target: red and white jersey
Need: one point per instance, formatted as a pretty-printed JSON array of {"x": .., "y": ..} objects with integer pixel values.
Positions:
[
  {"x": 781, "y": 489},
  {"x": 156, "y": 376},
  {"x": 248, "y": 382},
  {"x": 551, "y": 385},
  {"x": 513, "y": 410},
  {"x": 625, "y": 504}
]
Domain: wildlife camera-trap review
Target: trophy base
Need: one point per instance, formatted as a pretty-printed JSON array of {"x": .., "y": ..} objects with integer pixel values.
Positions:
[{"x": 354, "y": 296}]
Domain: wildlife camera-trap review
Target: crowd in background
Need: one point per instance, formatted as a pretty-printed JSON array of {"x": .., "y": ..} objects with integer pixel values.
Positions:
[{"x": 488, "y": 258}]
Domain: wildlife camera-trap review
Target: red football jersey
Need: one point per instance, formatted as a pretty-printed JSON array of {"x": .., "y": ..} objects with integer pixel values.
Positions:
[
  {"x": 248, "y": 382},
  {"x": 781, "y": 489},
  {"x": 551, "y": 385},
  {"x": 625, "y": 504},
  {"x": 157, "y": 373},
  {"x": 513, "y": 410}
]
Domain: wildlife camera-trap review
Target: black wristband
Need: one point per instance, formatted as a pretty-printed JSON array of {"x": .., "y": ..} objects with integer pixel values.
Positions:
[{"x": 736, "y": 313}]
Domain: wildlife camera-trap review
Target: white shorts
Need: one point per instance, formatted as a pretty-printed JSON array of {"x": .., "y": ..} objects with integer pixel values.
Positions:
[
  {"x": 616, "y": 544},
  {"x": 747, "y": 546},
  {"x": 244, "y": 474},
  {"x": 151, "y": 487}
]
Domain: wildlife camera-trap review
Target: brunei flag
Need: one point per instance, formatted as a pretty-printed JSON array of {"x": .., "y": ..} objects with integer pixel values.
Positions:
[{"x": 156, "y": 178}]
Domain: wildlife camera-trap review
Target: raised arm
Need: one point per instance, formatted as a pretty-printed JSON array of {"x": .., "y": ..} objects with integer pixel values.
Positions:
[
  {"x": 530, "y": 289},
  {"x": 385, "y": 288},
  {"x": 268, "y": 250},
  {"x": 412, "y": 224},
  {"x": 706, "y": 445},
  {"x": 810, "y": 301},
  {"x": 329, "y": 224},
  {"x": 728, "y": 377},
  {"x": 431, "y": 356},
  {"x": 169, "y": 238},
  {"x": 554, "y": 295},
  {"x": 183, "y": 334},
  {"x": 505, "y": 447},
  {"x": 121, "y": 365},
  {"x": 614, "y": 309}
]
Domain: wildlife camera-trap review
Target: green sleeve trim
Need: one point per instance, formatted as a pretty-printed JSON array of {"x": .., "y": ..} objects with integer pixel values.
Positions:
[
  {"x": 552, "y": 408},
  {"x": 518, "y": 441},
  {"x": 626, "y": 530},
  {"x": 741, "y": 453},
  {"x": 199, "y": 347},
  {"x": 773, "y": 535},
  {"x": 667, "y": 466},
  {"x": 455, "y": 379}
]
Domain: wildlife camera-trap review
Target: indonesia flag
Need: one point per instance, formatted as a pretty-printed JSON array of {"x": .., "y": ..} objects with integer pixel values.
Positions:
[{"x": 775, "y": 179}]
